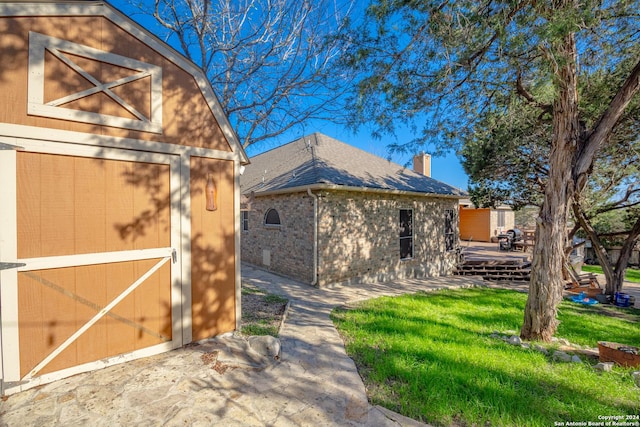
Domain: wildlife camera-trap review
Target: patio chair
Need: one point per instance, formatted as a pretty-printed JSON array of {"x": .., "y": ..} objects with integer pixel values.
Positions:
[{"x": 583, "y": 282}]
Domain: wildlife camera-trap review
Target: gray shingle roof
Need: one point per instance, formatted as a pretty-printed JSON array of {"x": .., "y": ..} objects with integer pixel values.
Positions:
[{"x": 316, "y": 160}]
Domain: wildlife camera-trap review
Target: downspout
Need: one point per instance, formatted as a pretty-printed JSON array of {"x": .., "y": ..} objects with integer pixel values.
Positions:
[{"x": 315, "y": 237}]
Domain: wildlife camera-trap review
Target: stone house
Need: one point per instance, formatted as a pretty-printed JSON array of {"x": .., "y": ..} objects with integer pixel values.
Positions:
[{"x": 324, "y": 212}]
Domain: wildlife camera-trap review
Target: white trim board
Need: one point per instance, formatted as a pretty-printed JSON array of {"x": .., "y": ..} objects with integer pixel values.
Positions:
[
  {"x": 79, "y": 260},
  {"x": 8, "y": 278},
  {"x": 238, "y": 255},
  {"x": 97, "y": 152},
  {"x": 41, "y": 137},
  {"x": 12, "y": 387},
  {"x": 39, "y": 44},
  {"x": 185, "y": 264}
]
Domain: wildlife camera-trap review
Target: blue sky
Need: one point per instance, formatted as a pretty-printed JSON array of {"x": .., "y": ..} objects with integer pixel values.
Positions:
[{"x": 443, "y": 168}]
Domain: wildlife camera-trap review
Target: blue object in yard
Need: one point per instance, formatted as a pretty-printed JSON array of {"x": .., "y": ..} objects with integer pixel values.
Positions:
[
  {"x": 581, "y": 299},
  {"x": 621, "y": 300}
]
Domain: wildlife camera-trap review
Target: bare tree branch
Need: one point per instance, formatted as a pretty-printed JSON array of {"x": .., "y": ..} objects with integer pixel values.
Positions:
[
  {"x": 272, "y": 63},
  {"x": 522, "y": 91}
]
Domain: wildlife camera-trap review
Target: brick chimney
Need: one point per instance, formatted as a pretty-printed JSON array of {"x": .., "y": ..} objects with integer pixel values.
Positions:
[{"x": 422, "y": 164}]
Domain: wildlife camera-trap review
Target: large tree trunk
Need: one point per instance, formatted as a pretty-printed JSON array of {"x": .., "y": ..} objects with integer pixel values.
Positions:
[
  {"x": 546, "y": 286},
  {"x": 618, "y": 277},
  {"x": 571, "y": 159}
]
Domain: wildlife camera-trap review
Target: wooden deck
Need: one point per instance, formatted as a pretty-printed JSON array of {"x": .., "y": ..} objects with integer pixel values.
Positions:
[
  {"x": 490, "y": 251},
  {"x": 496, "y": 270},
  {"x": 485, "y": 259}
]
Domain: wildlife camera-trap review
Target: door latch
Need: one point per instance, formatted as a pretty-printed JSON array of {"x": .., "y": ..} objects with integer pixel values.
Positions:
[{"x": 9, "y": 265}]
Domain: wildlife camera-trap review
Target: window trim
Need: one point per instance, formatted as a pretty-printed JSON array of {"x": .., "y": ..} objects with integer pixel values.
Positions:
[
  {"x": 502, "y": 218},
  {"x": 452, "y": 232},
  {"x": 272, "y": 225},
  {"x": 244, "y": 220},
  {"x": 410, "y": 238}
]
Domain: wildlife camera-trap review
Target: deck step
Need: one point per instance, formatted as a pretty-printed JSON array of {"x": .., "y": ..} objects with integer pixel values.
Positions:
[{"x": 496, "y": 270}]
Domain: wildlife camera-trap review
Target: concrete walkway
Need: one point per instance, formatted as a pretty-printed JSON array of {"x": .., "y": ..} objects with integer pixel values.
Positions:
[{"x": 223, "y": 382}]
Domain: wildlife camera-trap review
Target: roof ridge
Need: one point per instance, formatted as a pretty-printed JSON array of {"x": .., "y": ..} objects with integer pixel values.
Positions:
[
  {"x": 318, "y": 159},
  {"x": 402, "y": 168},
  {"x": 277, "y": 147}
]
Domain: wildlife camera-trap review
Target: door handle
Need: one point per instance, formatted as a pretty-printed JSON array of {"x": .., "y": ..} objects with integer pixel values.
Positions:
[{"x": 9, "y": 265}]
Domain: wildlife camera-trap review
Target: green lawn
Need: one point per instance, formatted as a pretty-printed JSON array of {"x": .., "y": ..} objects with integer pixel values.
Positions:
[
  {"x": 631, "y": 275},
  {"x": 430, "y": 357}
]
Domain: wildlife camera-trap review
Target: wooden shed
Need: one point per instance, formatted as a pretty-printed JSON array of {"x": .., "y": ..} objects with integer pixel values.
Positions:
[
  {"x": 119, "y": 226},
  {"x": 484, "y": 224}
]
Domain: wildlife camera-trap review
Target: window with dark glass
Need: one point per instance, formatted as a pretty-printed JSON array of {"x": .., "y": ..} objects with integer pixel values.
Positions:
[
  {"x": 449, "y": 229},
  {"x": 245, "y": 220},
  {"x": 406, "y": 233},
  {"x": 501, "y": 219},
  {"x": 272, "y": 217}
]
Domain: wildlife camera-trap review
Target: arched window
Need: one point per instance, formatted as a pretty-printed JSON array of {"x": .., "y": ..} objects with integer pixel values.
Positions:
[{"x": 272, "y": 217}]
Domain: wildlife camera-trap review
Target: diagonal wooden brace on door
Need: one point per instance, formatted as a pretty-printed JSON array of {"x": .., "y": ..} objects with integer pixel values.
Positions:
[
  {"x": 96, "y": 318},
  {"x": 75, "y": 297}
]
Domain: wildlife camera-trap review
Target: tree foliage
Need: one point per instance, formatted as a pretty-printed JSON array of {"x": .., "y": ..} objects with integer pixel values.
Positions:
[
  {"x": 271, "y": 62},
  {"x": 441, "y": 66},
  {"x": 506, "y": 158}
]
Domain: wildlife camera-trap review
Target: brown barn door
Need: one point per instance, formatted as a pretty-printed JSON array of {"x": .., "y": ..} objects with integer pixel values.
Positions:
[{"x": 95, "y": 234}]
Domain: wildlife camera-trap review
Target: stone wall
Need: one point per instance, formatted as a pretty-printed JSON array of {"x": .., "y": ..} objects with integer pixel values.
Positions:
[
  {"x": 359, "y": 237},
  {"x": 287, "y": 249}
]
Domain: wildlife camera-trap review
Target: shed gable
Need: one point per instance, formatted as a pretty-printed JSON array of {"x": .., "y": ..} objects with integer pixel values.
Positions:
[{"x": 89, "y": 74}]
